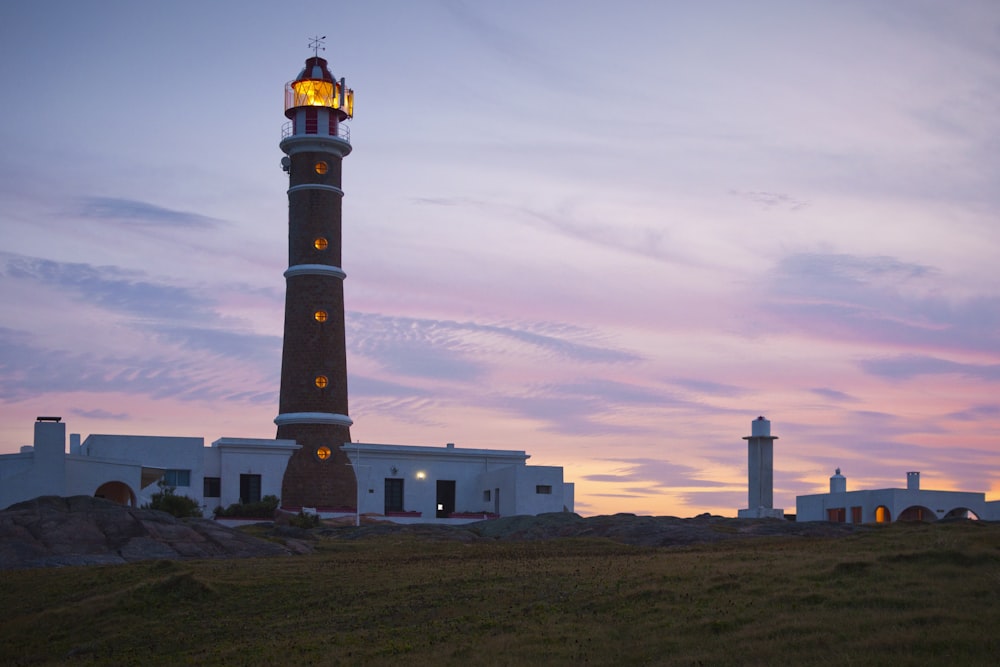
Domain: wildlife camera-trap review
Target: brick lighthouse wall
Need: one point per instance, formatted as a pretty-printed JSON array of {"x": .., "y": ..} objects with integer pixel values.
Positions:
[{"x": 315, "y": 348}]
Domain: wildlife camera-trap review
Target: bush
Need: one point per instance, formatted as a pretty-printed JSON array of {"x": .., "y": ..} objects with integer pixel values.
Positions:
[
  {"x": 167, "y": 501},
  {"x": 259, "y": 510}
]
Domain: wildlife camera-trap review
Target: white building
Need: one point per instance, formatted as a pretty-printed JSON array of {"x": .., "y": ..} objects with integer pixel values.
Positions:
[
  {"x": 451, "y": 484},
  {"x": 126, "y": 468},
  {"x": 399, "y": 483},
  {"x": 886, "y": 505}
]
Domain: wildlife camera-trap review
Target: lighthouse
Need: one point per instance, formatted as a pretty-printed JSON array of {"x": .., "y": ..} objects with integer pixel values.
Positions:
[
  {"x": 313, "y": 400},
  {"x": 760, "y": 472}
]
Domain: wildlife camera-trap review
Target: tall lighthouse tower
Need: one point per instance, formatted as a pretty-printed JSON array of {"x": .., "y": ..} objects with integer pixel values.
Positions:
[{"x": 313, "y": 401}]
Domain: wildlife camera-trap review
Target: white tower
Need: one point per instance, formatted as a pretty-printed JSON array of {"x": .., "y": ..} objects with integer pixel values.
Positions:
[{"x": 760, "y": 473}]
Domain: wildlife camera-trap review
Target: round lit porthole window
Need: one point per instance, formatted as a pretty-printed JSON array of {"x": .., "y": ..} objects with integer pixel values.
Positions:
[
  {"x": 322, "y": 381},
  {"x": 320, "y": 243},
  {"x": 322, "y": 167},
  {"x": 323, "y": 453},
  {"x": 320, "y": 315}
]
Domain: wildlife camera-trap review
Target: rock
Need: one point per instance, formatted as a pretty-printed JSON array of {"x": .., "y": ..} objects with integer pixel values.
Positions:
[
  {"x": 54, "y": 531},
  {"x": 649, "y": 531}
]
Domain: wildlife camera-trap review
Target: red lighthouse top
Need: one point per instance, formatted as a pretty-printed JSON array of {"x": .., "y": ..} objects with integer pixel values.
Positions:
[{"x": 316, "y": 87}]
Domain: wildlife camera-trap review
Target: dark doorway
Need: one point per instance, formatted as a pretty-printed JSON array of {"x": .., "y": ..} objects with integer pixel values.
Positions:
[
  {"x": 393, "y": 495},
  {"x": 445, "y": 497},
  {"x": 496, "y": 501},
  {"x": 249, "y": 489}
]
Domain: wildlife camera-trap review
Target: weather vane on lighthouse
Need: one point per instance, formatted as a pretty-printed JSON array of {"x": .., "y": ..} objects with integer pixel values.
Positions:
[{"x": 316, "y": 44}]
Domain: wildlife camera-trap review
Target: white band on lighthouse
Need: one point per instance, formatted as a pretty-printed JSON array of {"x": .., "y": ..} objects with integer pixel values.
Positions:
[
  {"x": 316, "y": 186},
  {"x": 315, "y": 270},
  {"x": 313, "y": 418}
]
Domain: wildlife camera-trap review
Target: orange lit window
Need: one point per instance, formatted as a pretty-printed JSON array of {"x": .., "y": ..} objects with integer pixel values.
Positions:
[
  {"x": 323, "y": 453},
  {"x": 320, "y": 315},
  {"x": 320, "y": 243},
  {"x": 322, "y": 381},
  {"x": 322, "y": 167}
]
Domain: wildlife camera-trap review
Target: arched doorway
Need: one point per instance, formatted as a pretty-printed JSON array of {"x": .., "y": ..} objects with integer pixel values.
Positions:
[
  {"x": 962, "y": 513},
  {"x": 882, "y": 514},
  {"x": 116, "y": 492},
  {"x": 917, "y": 513}
]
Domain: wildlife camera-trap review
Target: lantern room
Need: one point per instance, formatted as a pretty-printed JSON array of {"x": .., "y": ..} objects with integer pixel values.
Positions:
[{"x": 316, "y": 103}]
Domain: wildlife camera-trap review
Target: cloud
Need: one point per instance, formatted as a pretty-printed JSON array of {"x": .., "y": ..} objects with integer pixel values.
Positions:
[
  {"x": 839, "y": 270},
  {"x": 647, "y": 241},
  {"x": 174, "y": 314},
  {"x": 833, "y": 395},
  {"x": 877, "y": 299},
  {"x": 771, "y": 200},
  {"x": 589, "y": 407},
  {"x": 133, "y": 212},
  {"x": 449, "y": 349},
  {"x": 976, "y": 413},
  {"x": 906, "y": 366},
  {"x": 523, "y": 55},
  {"x": 28, "y": 370},
  {"x": 120, "y": 290},
  {"x": 656, "y": 475},
  {"x": 709, "y": 388},
  {"x": 100, "y": 414},
  {"x": 261, "y": 349}
]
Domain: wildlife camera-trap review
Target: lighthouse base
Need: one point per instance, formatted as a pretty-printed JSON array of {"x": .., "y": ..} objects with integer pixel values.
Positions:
[
  {"x": 312, "y": 481},
  {"x": 761, "y": 513}
]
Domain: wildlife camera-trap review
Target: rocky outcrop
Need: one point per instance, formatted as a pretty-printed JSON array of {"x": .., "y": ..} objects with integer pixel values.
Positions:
[
  {"x": 650, "y": 531},
  {"x": 54, "y": 531}
]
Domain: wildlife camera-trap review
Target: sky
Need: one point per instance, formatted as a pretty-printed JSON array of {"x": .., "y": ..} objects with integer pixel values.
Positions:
[{"x": 610, "y": 235}]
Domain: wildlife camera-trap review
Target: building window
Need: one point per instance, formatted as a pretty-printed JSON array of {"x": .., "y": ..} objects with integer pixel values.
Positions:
[
  {"x": 177, "y": 478},
  {"x": 544, "y": 489},
  {"x": 320, "y": 316},
  {"x": 486, "y": 496},
  {"x": 249, "y": 489},
  {"x": 836, "y": 515},
  {"x": 393, "y": 495},
  {"x": 323, "y": 453},
  {"x": 212, "y": 487},
  {"x": 320, "y": 243},
  {"x": 322, "y": 167},
  {"x": 322, "y": 381}
]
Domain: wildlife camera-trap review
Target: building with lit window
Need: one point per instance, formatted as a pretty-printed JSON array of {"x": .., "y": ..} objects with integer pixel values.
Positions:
[
  {"x": 885, "y": 505},
  {"x": 403, "y": 484},
  {"x": 418, "y": 484}
]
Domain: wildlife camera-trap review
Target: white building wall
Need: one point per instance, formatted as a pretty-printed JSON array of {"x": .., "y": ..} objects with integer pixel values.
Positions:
[
  {"x": 18, "y": 478},
  {"x": 502, "y": 483},
  {"x": 510, "y": 483},
  {"x": 232, "y": 457},
  {"x": 85, "y": 475},
  {"x": 168, "y": 453},
  {"x": 532, "y": 484},
  {"x": 815, "y": 507}
]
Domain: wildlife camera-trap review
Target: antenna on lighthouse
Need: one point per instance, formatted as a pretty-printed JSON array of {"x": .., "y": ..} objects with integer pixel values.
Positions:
[{"x": 316, "y": 44}]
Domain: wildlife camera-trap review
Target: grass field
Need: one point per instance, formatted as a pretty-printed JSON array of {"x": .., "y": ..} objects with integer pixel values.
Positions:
[{"x": 896, "y": 595}]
